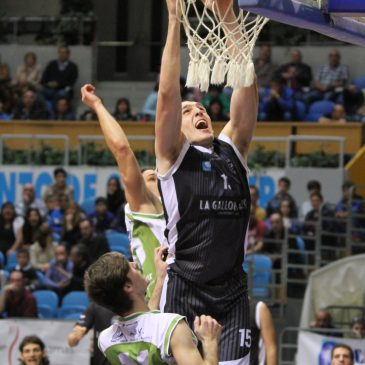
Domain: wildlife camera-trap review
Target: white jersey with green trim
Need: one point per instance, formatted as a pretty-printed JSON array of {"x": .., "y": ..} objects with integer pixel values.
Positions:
[
  {"x": 146, "y": 232},
  {"x": 142, "y": 338}
]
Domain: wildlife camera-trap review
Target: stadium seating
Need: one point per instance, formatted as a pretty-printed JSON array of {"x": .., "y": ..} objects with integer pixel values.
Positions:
[
  {"x": 11, "y": 262},
  {"x": 88, "y": 206},
  {"x": 73, "y": 302},
  {"x": 47, "y": 303},
  {"x": 119, "y": 242},
  {"x": 318, "y": 109},
  {"x": 261, "y": 274}
]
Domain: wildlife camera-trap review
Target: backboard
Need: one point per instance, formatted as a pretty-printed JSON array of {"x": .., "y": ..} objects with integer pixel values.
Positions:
[{"x": 340, "y": 19}]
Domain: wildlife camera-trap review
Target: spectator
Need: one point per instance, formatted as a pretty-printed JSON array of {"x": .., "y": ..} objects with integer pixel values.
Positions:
[
  {"x": 312, "y": 186},
  {"x": 274, "y": 237},
  {"x": 59, "y": 186},
  {"x": 330, "y": 80},
  {"x": 260, "y": 213},
  {"x": 95, "y": 317},
  {"x": 101, "y": 217},
  {"x": 215, "y": 111},
  {"x": 277, "y": 102},
  {"x": 338, "y": 115},
  {"x": 29, "y": 73},
  {"x": 215, "y": 92},
  {"x": 51, "y": 203},
  {"x": 353, "y": 99},
  {"x": 5, "y": 77},
  {"x": 282, "y": 192},
  {"x": 88, "y": 115},
  {"x": 96, "y": 244},
  {"x": 149, "y": 106},
  {"x": 123, "y": 110},
  {"x": 3, "y": 114},
  {"x": 25, "y": 267},
  {"x": 16, "y": 300},
  {"x": 115, "y": 195},
  {"x": 30, "y": 107},
  {"x": 292, "y": 224},
  {"x": 42, "y": 251},
  {"x": 9, "y": 225},
  {"x": 27, "y": 234},
  {"x": 59, "y": 270},
  {"x": 358, "y": 327},
  {"x": 56, "y": 217},
  {"x": 70, "y": 233},
  {"x": 342, "y": 355},
  {"x": 62, "y": 110},
  {"x": 296, "y": 74},
  {"x": 264, "y": 67},
  {"x": 33, "y": 351},
  {"x": 80, "y": 260},
  {"x": 60, "y": 76},
  {"x": 28, "y": 200},
  {"x": 256, "y": 233},
  {"x": 323, "y": 322}
]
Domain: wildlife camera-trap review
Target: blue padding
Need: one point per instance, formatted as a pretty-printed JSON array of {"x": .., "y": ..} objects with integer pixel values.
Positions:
[
  {"x": 297, "y": 14},
  {"x": 347, "y": 7}
]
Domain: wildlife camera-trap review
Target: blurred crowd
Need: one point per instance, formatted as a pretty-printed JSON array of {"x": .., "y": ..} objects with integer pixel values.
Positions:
[{"x": 288, "y": 92}]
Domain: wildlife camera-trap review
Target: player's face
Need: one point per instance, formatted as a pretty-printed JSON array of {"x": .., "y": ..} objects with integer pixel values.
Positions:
[
  {"x": 150, "y": 178},
  {"x": 196, "y": 124},
  {"x": 32, "y": 354},
  {"x": 138, "y": 280},
  {"x": 341, "y": 356}
]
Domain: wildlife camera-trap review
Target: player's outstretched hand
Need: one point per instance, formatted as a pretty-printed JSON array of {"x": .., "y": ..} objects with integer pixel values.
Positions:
[
  {"x": 88, "y": 96},
  {"x": 160, "y": 262},
  {"x": 207, "y": 328}
]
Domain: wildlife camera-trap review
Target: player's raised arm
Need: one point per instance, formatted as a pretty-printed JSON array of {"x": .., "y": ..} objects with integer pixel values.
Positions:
[
  {"x": 134, "y": 185},
  {"x": 244, "y": 101},
  {"x": 169, "y": 138}
]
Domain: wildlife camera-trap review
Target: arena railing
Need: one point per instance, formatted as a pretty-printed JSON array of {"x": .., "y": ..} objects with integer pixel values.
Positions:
[{"x": 31, "y": 138}]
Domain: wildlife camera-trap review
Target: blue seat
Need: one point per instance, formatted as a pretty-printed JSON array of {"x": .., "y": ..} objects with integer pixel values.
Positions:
[
  {"x": 260, "y": 269},
  {"x": 88, "y": 206},
  {"x": 359, "y": 82},
  {"x": 318, "y": 109},
  {"x": 119, "y": 242},
  {"x": 12, "y": 261},
  {"x": 73, "y": 302},
  {"x": 47, "y": 303}
]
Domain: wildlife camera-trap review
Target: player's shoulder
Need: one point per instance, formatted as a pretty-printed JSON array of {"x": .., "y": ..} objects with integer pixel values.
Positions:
[{"x": 106, "y": 337}]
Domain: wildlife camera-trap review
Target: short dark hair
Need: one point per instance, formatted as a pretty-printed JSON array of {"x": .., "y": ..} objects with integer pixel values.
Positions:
[
  {"x": 317, "y": 194},
  {"x": 86, "y": 220},
  {"x": 102, "y": 200},
  {"x": 82, "y": 251},
  {"x": 285, "y": 180},
  {"x": 33, "y": 339},
  {"x": 105, "y": 280},
  {"x": 344, "y": 346},
  {"x": 23, "y": 250},
  {"x": 314, "y": 185},
  {"x": 347, "y": 185},
  {"x": 59, "y": 170}
]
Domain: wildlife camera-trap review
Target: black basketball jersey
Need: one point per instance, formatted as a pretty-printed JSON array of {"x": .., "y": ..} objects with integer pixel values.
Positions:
[
  {"x": 255, "y": 332},
  {"x": 206, "y": 202}
]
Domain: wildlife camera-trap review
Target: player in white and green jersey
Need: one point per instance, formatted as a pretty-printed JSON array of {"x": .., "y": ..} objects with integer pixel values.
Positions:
[
  {"x": 146, "y": 232},
  {"x": 147, "y": 222},
  {"x": 141, "y": 336}
]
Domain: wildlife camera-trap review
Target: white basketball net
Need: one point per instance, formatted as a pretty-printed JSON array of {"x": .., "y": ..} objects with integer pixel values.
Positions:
[{"x": 224, "y": 52}]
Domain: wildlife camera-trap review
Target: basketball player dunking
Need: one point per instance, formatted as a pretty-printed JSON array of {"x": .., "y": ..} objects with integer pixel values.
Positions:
[{"x": 204, "y": 189}]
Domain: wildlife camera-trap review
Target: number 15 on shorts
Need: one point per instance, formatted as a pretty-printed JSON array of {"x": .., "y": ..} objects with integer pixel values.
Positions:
[{"x": 245, "y": 338}]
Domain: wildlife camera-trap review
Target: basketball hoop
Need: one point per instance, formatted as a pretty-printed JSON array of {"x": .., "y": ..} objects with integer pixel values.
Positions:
[{"x": 219, "y": 50}]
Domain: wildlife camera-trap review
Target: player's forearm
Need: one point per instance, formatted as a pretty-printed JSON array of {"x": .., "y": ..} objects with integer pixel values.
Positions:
[
  {"x": 114, "y": 135},
  {"x": 271, "y": 356},
  {"x": 170, "y": 64},
  {"x": 210, "y": 352},
  {"x": 154, "y": 302}
]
